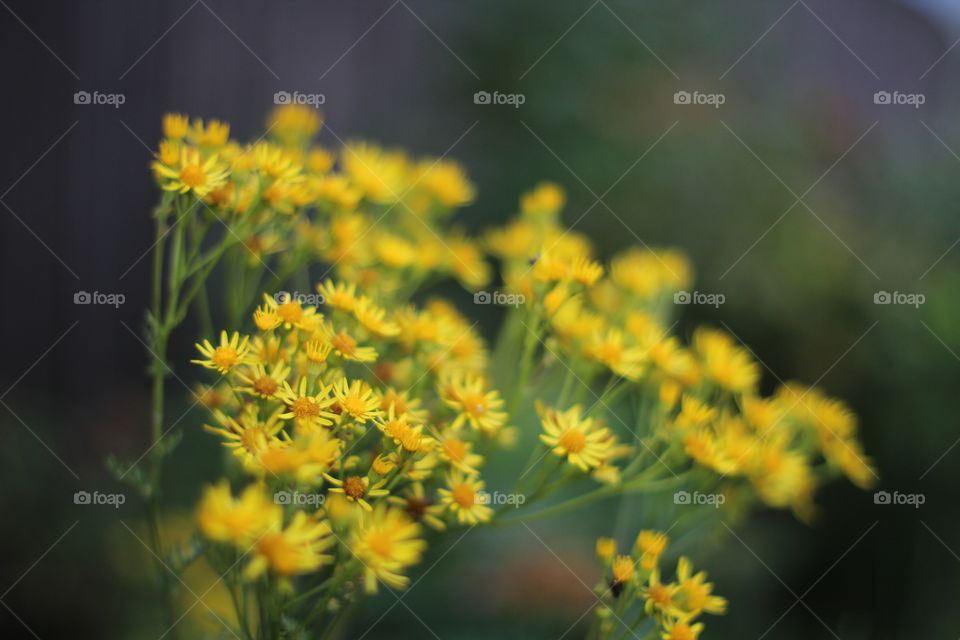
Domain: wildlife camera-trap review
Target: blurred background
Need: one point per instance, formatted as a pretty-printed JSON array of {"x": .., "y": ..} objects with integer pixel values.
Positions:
[{"x": 828, "y": 175}]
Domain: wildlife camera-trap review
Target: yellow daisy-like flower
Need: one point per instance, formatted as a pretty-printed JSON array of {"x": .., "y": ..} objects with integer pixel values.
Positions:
[
  {"x": 357, "y": 489},
  {"x": 356, "y": 399},
  {"x": 247, "y": 436},
  {"x": 474, "y": 405},
  {"x": 651, "y": 545},
  {"x": 581, "y": 440},
  {"x": 345, "y": 346},
  {"x": 403, "y": 405},
  {"x": 419, "y": 507},
  {"x": 308, "y": 410},
  {"x": 465, "y": 498},
  {"x": 695, "y": 592},
  {"x": 262, "y": 382},
  {"x": 231, "y": 351},
  {"x": 292, "y": 313},
  {"x": 214, "y": 134},
  {"x": 680, "y": 630},
  {"x": 606, "y": 547},
  {"x": 294, "y": 550},
  {"x": 457, "y": 452},
  {"x": 294, "y": 124},
  {"x": 372, "y": 318},
  {"x": 266, "y": 318},
  {"x": 612, "y": 350},
  {"x": 659, "y": 598},
  {"x": 239, "y": 521},
  {"x": 175, "y": 126},
  {"x": 194, "y": 173},
  {"x": 724, "y": 363},
  {"x": 386, "y": 542},
  {"x": 622, "y": 571},
  {"x": 341, "y": 295}
]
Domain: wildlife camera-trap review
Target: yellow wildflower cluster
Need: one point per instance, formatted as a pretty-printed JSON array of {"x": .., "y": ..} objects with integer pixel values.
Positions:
[
  {"x": 358, "y": 420},
  {"x": 635, "y": 581}
]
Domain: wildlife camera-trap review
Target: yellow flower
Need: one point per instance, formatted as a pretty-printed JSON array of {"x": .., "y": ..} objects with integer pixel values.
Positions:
[
  {"x": 680, "y": 630},
  {"x": 475, "y": 406},
  {"x": 231, "y": 351},
  {"x": 651, "y": 545},
  {"x": 584, "y": 444},
  {"x": 457, "y": 452},
  {"x": 465, "y": 498},
  {"x": 263, "y": 382},
  {"x": 341, "y": 295},
  {"x": 294, "y": 550},
  {"x": 293, "y": 124},
  {"x": 381, "y": 175},
  {"x": 419, "y": 507},
  {"x": 695, "y": 592},
  {"x": 446, "y": 181},
  {"x": 357, "y": 489},
  {"x": 356, "y": 399},
  {"x": 372, "y": 318},
  {"x": 248, "y": 436},
  {"x": 214, "y": 134},
  {"x": 724, "y": 363},
  {"x": 606, "y": 547},
  {"x": 266, "y": 318},
  {"x": 291, "y": 312},
  {"x": 194, "y": 174},
  {"x": 345, "y": 346},
  {"x": 659, "y": 598},
  {"x": 307, "y": 410},
  {"x": 239, "y": 521},
  {"x": 612, "y": 350},
  {"x": 386, "y": 542},
  {"x": 175, "y": 126},
  {"x": 546, "y": 198}
]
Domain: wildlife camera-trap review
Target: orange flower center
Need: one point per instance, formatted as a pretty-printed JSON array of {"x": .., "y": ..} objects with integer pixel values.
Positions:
[
  {"x": 455, "y": 449},
  {"x": 464, "y": 495},
  {"x": 344, "y": 344},
  {"x": 265, "y": 385},
  {"x": 224, "y": 357},
  {"x": 354, "y": 487},
  {"x": 474, "y": 404},
  {"x": 305, "y": 408},
  {"x": 573, "y": 440},
  {"x": 192, "y": 175}
]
